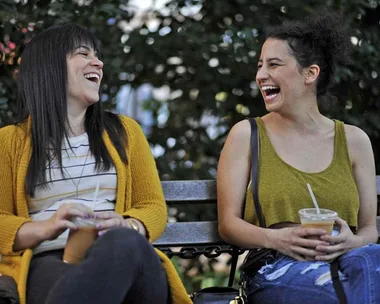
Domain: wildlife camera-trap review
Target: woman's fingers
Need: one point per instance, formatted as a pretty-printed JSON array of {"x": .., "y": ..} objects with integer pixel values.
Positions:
[
  {"x": 66, "y": 224},
  {"x": 341, "y": 237},
  {"x": 310, "y": 232},
  {"x": 311, "y": 243},
  {"x": 341, "y": 222},
  {"x": 110, "y": 223},
  {"x": 308, "y": 252},
  {"x": 302, "y": 243},
  {"x": 309, "y": 240},
  {"x": 70, "y": 212},
  {"x": 101, "y": 232},
  {"x": 344, "y": 229},
  {"x": 330, "y": 248},
  {"x": 107, "y": 215},
  {"x": 329, "y": 257},
  {"x": 66, "y": 211},
  {"x": 298, "y": 257},
  {"x": 109, "y": 219}
]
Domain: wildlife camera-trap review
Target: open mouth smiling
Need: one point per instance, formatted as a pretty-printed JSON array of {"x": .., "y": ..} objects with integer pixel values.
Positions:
[
  {"x": 92, "y": 77},
  {"x": 270, "y": 91}
]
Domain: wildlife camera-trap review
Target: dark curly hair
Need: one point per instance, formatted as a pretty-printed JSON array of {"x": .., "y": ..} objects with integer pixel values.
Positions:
[{"x": 318, "y": 39}]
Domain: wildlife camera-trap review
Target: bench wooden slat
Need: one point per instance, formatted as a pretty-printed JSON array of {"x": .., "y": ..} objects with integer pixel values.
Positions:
[
  {"x": 190, "y": 234},
  {"x": 189, "y": 190}
]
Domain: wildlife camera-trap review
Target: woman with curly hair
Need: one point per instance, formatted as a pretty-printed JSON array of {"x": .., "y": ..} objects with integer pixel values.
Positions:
[{"x": 298, "y": 145}]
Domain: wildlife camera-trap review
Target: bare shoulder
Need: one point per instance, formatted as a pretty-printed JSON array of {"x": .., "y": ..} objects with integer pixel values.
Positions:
[
  {"x": 358, "y": 142},
  {"x": 356, "y": 136},
  {"x": 240, "y": 131},
  {"x": 238, "y": 141}
]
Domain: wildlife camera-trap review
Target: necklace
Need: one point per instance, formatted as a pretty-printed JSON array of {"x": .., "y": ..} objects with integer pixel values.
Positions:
[{"x": 76, "y": 184}]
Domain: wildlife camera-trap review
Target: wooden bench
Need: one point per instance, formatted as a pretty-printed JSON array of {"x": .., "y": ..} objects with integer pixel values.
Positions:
[{"x": 197, "y": 237}]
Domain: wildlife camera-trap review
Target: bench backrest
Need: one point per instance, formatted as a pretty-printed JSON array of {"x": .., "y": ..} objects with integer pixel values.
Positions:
[
  {"x": 199, "y": 233},
  {"x": 190, "y": 233}
]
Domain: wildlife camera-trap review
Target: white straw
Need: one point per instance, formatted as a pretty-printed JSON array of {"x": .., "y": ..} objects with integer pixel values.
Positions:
[{"x": 313, "y": 198}]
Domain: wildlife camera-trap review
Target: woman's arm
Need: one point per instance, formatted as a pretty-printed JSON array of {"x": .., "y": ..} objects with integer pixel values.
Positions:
[
  {"x": 363, "y": 166},
  {"x": 148, "y": 203},
  {"x": 30, "y": 235},
  {"x": 16, "y": 232},
  {"x": 232, "y": 180},
  {"x": 13, "y": 228},
  {"x": 9, "y": 222},
  {"x": 33, "y": 233}
]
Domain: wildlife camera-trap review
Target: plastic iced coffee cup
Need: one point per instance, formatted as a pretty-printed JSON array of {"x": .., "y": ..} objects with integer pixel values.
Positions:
[
  {"x": 80, "y": 240},
  {"x": 325, "y": 219}
]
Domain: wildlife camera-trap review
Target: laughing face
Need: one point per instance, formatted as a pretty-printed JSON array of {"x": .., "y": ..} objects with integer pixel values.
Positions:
[
  {"x": 85, "y": 73},
  {"x": 279, "y": 78}
]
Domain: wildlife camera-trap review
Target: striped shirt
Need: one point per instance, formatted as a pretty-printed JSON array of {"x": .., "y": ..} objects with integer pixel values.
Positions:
[{"x": 79, "y": 174}]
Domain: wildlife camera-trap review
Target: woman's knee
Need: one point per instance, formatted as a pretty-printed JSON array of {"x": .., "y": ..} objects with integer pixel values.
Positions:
[
  {"x": 366, "y": 256},
  {"x": 124, "y": 242},
  {"x": 371, "y": 251}
]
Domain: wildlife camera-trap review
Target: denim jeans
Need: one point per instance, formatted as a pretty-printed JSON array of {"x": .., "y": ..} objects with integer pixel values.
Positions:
[{"x": 291, "y": 281}]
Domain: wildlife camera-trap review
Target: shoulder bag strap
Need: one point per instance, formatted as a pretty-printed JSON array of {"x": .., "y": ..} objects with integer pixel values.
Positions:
[
  {"x": 255, "y": 148},
  {"x": 235, "y": 256},
  {"x": 337, "y": 283},
  {"x": 255, "y": 183}
]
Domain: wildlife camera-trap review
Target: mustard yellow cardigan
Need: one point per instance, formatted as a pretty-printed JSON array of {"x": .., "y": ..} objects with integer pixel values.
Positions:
[{"x": 139, "y": 195}]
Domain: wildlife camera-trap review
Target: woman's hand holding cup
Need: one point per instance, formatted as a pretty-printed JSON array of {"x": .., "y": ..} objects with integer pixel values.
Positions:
[
  {"x": 339, "y": 244},
  {"x": 62, "y": 219},
  {"x": 317, "y": 218},
  {"x": 81, "y": 238},
  {"x": 297, "y": 242},
  {"x": 108, "y": 220}
]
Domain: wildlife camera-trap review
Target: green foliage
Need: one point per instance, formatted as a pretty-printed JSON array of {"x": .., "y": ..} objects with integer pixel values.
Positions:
[
  {"x": 205, "y": 52},
  {"x": 217, "y": 50},
  {"x": 21, "y": 21},
  {"x": 202, "y": 272}
]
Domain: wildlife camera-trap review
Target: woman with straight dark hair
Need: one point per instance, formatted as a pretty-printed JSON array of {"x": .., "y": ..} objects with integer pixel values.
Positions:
[
  {"x": 66, "y": 158},
  {"x": 298, "y": 146}
]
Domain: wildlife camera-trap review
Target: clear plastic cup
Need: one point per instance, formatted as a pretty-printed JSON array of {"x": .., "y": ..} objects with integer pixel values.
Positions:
[
  {"x": 310, "y": 218},
  {"x": 79, "y": 241}
]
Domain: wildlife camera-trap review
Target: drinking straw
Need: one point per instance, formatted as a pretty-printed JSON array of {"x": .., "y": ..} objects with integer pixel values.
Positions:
[{"x": 313, "y": 198}]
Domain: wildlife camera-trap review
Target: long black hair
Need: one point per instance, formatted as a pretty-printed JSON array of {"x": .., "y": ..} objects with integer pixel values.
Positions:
[
  {"x": 42, "y": 96},
  {"x": 319, "y": 39}
]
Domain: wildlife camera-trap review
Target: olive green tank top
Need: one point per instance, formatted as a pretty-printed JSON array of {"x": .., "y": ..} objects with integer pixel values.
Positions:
[{"x": 283, "y": 190}]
